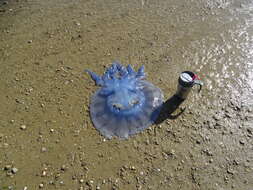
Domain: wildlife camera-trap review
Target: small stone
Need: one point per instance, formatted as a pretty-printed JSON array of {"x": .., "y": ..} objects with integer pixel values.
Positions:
[
  {"x": 51, "y": 182},
  {"x": 73, "y": 177},
  {"x": 43, "y": 149},
  {"x": 63, "y": 167},
  {"x": 9, "y": 173},
  {"x": 29, "y": 41},
  {"x": 61, "y": 183},
  {"x": 14, "y": 170},
  {"x": 7, "y": 167},
  {"x": 81, "y": 181},
  {"x": 208, "y": 152},
  {"x": 51, "y": 130},
  {"x": 235, "y": 162},
  {"x": 226, "y": 179},
  {"x": 6, "y": 144},
  {"x": 23, "y": 127},
  {"x": 89, "y": 183},
  {"x": 98, "y": 188},
  {"x": 171, "y": 152},
  {"x": 44, "y": 173},
  {"x": 242, "y": 142},
  {"x": 78, "y": 23},
  {"x": 25, "y": 188},
  {"x": 229, "y": 171},
  {"x": 41, "y": 185},
  {"x": 132, "y": 168}
]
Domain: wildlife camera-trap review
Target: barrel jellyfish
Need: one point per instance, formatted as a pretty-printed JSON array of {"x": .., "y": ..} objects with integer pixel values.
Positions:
[{"x": 126, "y": 103}]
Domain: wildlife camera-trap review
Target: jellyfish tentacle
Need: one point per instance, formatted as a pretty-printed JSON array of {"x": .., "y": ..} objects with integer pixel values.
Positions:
[
  {"x": 98, "y": 80},
  {"x": 130, "y": 71},
  {"x": 140, "y": 73}
]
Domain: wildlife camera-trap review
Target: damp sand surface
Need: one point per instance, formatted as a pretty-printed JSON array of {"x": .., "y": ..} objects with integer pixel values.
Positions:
[{"x": 47, "y": 140}]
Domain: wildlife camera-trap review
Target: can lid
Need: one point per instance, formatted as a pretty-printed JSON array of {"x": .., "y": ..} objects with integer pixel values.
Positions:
[{"x": 186, "y": 79}]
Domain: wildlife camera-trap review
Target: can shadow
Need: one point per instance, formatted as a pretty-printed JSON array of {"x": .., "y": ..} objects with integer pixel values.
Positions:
[{"x": 168, "y": 109}]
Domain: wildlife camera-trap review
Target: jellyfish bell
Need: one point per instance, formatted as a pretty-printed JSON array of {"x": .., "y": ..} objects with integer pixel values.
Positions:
[{"x": 126, "y": 103}]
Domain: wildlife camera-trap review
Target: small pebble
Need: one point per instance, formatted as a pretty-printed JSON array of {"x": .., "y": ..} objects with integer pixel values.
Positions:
[
  {"x": 132, "y": 168},
  {"x": 14, "y": 170},
  {"x": 6, "y": 144},
  {"x": 78, "y": 24},
  {"x": 7, "y": 167},
  {"x": 44, "y": 173},
  {"x": 242, "y": 142},
  {"x": 9, "y": 173},
  {"x": 229, "y": 171},
  {"x": 81, "y": 181},
  {"x": 73, "y": 177},
  {"x": 63, "y": 167},
  {"x": 51, "y": 182},
  {"x": 43, "y": 149},
  {"x": 41, "y": 185},
  {"x": 23, "y": 127}
]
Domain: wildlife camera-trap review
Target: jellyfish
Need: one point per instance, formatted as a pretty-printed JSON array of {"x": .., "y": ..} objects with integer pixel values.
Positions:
[{"x": 126, "y": 103}]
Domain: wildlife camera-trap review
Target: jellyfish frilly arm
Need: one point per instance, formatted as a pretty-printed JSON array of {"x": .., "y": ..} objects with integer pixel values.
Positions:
[
  {"x": 98, "y": 80},
  {"x": 115, "y": 72},
  {"x": 140, "y": 73}
]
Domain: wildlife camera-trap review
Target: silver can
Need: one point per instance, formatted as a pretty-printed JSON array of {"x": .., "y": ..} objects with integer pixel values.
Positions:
[{"x": 186, "y": 81}]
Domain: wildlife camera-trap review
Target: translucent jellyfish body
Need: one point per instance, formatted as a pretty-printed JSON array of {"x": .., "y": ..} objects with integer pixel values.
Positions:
[{"x": 126, "y": 103}]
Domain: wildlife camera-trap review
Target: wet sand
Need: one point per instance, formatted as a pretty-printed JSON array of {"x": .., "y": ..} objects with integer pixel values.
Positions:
[{"x": 47, "y": 140}]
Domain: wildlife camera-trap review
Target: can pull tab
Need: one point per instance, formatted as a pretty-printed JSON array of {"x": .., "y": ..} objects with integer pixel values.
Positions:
[{"x": 197, "y": 81}]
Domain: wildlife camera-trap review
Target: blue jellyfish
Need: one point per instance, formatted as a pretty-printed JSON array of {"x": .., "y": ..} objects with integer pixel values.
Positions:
[{"x": 126, "y": 103}]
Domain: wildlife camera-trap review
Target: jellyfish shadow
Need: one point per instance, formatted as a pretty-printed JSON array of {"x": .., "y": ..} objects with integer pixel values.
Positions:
[{"x": 168, "y": 108}]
